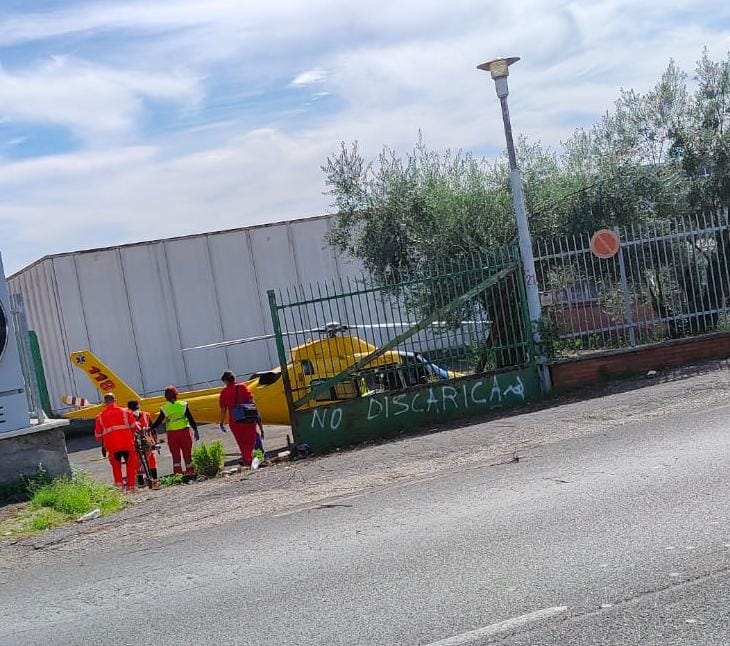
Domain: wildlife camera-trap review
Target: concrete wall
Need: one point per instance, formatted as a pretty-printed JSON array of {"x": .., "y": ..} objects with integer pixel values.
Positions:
[
  {"x": 137, "y": 306},
  {"x": 21, "y": 452}
]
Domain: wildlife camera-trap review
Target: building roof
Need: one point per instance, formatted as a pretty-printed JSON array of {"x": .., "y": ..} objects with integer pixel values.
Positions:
[{"x": 170, "y": 239}]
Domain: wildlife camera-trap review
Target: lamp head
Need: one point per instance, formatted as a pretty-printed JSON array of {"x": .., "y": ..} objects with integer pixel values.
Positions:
[{"x": 498, "y": 67}]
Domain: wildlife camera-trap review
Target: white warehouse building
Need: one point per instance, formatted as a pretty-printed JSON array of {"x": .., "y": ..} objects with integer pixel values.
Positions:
[{"x": 137, "y": 305}]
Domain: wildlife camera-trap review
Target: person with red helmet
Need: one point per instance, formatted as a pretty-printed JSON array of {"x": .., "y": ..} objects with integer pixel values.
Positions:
[
  {"x": 115, "y": 427},
  {"x": 178, "y": 423}
]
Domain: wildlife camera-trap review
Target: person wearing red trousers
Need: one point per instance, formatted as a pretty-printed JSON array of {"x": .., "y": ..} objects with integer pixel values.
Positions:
[
  {"x": 178, "y": 422},
  {"x": 143, "y": 422},
  {"x": 114, "y": 427},
  {"x": 244, "y": 432}
]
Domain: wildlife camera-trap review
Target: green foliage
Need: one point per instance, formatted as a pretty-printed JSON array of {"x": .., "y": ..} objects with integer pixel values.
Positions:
[
  {"x": 46, "y": 518},
  {"x": 611, "y": 300},
  {"x": 549, "y": 337},
  {"x": 77, "y": 495},
  {"x": 23, "y": 488},
  {"x": 723, "y": 322},
  {"x": 172, "y": 480},
  {"x": 398, "y": 214},
  {"x": 208, "y": 458},
  {"x": 481, "y": 358}
]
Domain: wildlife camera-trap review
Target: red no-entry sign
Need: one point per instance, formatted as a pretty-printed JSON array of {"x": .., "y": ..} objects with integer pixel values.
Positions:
[{"x": 605, "y": 243}]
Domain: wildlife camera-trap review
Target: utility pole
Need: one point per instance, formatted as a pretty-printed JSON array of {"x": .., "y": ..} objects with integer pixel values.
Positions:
[{"x": 499, "y": 69}]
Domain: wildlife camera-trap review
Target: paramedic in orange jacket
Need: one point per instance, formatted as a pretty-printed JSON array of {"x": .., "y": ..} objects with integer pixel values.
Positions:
[
  {"x": 144, "y": 421},
  {"x": 114, "y": 428}
]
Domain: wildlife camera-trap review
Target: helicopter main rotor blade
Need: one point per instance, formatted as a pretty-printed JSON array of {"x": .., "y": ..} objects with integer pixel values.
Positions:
[
  {"x": 250, "y": 339},
  {"x": 330, "y": 328},
  {"x": 405, "y": 324},
  {"x": 225, "y": 344},
  {"x": 370, "y": 326}
]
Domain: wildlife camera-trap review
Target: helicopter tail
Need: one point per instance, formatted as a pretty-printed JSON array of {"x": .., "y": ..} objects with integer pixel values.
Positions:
[
  {"x": 76, "y": 402},
  {"x": 103, "y": 378}
]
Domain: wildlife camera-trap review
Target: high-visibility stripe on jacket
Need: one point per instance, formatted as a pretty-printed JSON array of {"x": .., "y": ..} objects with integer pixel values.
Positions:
[
  {"x": 114, "y": 420},
  {"x": 175, "y": 415}
]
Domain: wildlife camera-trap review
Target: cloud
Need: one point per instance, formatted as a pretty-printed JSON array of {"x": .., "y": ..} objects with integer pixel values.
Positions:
[
  {"x": 90, "y": 100},
  {"x": 310, "y": 77},
  {"x": 253, "y": 144},
  {"x": 137, "y": 193}
]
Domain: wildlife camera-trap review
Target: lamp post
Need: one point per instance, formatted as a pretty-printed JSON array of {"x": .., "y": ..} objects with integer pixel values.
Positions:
[{"x": 499, "y": 69}]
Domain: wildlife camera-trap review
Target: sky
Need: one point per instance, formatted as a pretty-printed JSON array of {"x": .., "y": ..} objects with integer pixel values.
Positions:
[{"x": 123, "y": 121}]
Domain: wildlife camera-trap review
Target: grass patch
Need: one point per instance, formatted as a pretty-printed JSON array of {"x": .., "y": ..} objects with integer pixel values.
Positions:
[
  {"x": 62, "y": 501},
  {"x": 31, "y": 521},
  {"x": 76, "y": 495},
  {"x": 45, "y": 518}
]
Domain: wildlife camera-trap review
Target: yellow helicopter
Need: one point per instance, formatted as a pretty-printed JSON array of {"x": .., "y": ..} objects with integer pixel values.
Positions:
[{"x": 311, "y": 363}]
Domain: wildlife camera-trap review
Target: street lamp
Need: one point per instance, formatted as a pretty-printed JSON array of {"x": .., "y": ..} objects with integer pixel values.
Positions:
[{"x": 499, "y": 69}]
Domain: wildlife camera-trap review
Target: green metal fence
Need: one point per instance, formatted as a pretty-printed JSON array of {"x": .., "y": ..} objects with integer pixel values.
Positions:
[
  {"x": 356, "y": 350},
  {"x": 669, "y": 279}
]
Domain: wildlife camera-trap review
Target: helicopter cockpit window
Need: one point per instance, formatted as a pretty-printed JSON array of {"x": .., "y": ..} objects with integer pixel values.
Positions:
[
  {"x": 382, "y": 379},
  {"x": 269, "y": 378},
  {"x": 414, "y": 369},
  {"x": 307, "y": 367},
  {"x": 347, "y": 389}
]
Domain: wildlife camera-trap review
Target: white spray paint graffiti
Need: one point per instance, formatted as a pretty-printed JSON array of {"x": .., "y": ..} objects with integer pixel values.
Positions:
[
  {"x": 330, "y": 418},
  {"x": 437, "y": 399}
]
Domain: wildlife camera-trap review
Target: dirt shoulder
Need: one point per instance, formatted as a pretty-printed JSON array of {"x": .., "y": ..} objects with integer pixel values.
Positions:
[{"x": 284, "y": 488}]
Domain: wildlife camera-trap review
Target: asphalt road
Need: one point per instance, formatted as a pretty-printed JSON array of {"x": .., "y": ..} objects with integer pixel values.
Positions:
[{"x": 622, "y": 537}]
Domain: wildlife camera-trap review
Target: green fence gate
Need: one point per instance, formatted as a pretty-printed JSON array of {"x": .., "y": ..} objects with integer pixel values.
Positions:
[{"x": 363, "y": 360}]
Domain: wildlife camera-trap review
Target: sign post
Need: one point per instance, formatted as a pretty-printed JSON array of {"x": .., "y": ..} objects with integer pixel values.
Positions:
[{"x": 605, "y": 244}]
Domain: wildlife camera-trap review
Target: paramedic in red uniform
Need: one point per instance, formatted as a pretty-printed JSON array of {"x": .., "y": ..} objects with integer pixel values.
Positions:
[
  {"x": 114, "y": 428},
  {"x": 178, "y": 422},
  {"x": 244, "y": 432},
  {"x": 144, "y": 421}
]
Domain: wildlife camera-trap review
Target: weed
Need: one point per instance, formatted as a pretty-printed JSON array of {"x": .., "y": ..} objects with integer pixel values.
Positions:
[
  {"x": 723, "y": 322},
  {"x": 45, "y": 518},
  {"x": 208, "y": 458},
  {"x": 76, "y": 495},
  {"x": 172, "y": 480}
]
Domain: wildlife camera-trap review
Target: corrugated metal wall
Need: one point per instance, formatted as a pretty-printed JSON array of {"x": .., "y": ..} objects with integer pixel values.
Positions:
[{"x": 136, "y": 306}]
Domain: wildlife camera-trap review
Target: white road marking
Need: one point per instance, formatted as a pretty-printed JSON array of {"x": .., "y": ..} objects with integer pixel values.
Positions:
[{"x": 501, "y": 627}]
